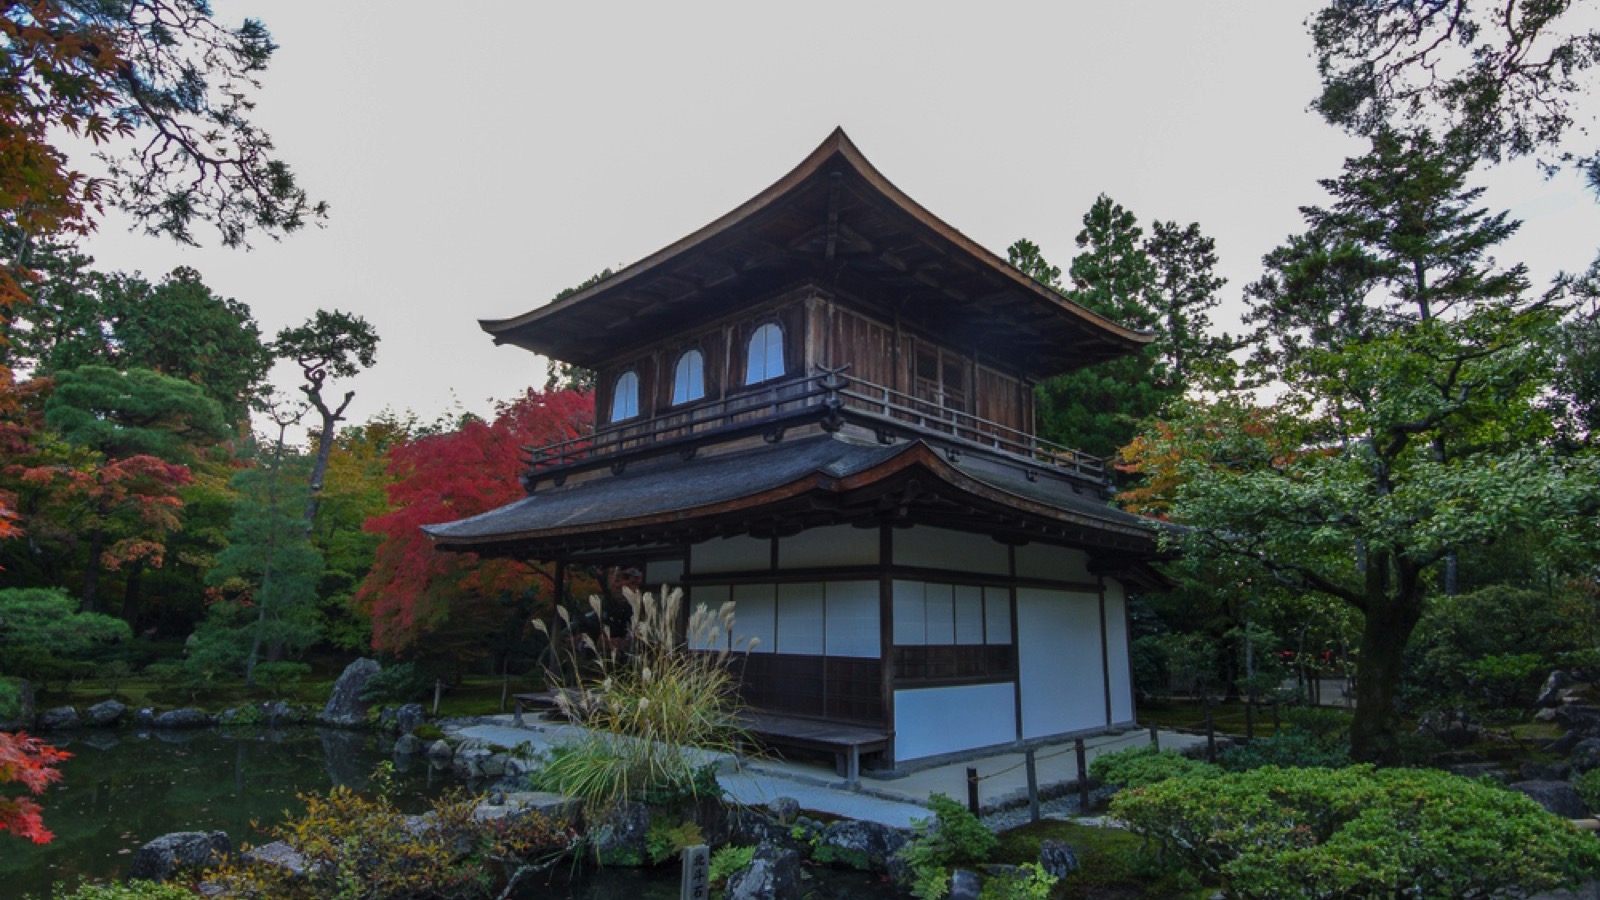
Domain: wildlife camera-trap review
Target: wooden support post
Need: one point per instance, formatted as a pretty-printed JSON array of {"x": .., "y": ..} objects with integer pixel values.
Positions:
[
  {"x": 852, "y": 775},
  {"x": 438, "y": 691},
  {"x": 1274, "y": 718},
  {"x": 972, "y": 790},
  {"x": 1155, "y": 738},
  {"x": 1082, "y": 753},
  {"x": 1211, "y": 735},
  {"x": 1033, "y": 786}
]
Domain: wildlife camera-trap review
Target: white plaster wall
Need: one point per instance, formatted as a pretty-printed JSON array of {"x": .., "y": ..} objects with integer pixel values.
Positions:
[
  {"x": 1058, "y": 662},
  {"x": 735, "y": 554},
  {"x": 1117, "y": 651},
  {"x": 930, "y": 721},
  {"x": 851, "y": 628},
  {"x": 940, "y": 548},
  {"x": 755, "y": 608},
  {"x": 834, "y": 545},
  {"x": 997, "y": 615},
  {"x": 969, "y": 614},
  {"x": 910, "y": 613},
  {"x": 1045, "y": 561},
  {"x": 800, "y": 618},
  {"x": 662, "y": 571},
  {"x": 711, "y": 596}
]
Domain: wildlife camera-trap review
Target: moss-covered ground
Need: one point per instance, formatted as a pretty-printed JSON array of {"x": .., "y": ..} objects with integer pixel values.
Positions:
[{"x": 1113, "y": 863}]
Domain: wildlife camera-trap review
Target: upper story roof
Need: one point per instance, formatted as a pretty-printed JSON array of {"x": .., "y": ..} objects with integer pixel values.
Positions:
[{"x": 834, "y": 221}]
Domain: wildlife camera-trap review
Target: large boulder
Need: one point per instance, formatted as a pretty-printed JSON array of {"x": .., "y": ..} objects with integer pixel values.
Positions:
[
  {"x": 858, "y": 845},
  {"x": 278, "y": 854},
  {"x": 1580, "y": 719},
  {"x": 345, "y": 707},
  {"x": 1550, "y": 694},
  {"x": 278, "y": 713},
  {"x": 1585, "y": 755},
  {"x": 105, "y": 714},
  {"x": 773, "y": 874},
  {"x": 162, "y": 857},
  {"x": 408, "y": 745},
  {"x": 965, "y": 885},
  {"x": 1057, "y": 858},
  {"x": 59, "y": 717},
  {"x": 621, "y": 838},
  {"x": 408, "y": 717},
  {"x": 183, "y": 718},
  {"x": 1556, "y": 796},
  {"x": 18, "y": 716}
]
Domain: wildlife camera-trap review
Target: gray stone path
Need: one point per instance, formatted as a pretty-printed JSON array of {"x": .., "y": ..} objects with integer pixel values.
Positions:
[{"x": 892, "y": 801}]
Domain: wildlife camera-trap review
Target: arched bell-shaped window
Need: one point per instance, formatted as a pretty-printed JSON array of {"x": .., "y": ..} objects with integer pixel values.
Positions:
[
  {"x": 689, "y": 377},
  {"x": 766, "y": 354},
  {"x": 625, "y": 396}
]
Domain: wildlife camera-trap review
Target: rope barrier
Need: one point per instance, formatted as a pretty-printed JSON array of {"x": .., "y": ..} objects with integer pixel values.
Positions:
[{"x": 1063, "y": 752}]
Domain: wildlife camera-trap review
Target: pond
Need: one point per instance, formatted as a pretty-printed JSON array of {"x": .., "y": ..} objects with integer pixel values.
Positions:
[{"x": 121, "y": 789}]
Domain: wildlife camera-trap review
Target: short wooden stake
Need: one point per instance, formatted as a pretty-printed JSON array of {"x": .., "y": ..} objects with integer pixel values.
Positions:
[
  {"x": 1083, "y": 774},
  {"x": 1033, "y": 786},
  {"x": 1274, "y": 719},
  {"x": 1211, "y": 736},
  {"x": 1155, "y": 738},
  {"x": 438, "y": 690},
  {"x": 1249, "y": 721},
  {"x": 972, "y": 790},
  {"x": 696, "y": 873}
]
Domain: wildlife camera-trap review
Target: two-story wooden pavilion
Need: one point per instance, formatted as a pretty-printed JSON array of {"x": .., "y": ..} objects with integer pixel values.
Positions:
[{"x": 820, "y": 406}]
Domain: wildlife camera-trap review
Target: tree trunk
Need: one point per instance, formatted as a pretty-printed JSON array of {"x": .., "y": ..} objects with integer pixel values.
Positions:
[
  {"x": 132, "y": 594},
  {"x": 91, "y": 577},
  {"x": 1390, "y": 618}
]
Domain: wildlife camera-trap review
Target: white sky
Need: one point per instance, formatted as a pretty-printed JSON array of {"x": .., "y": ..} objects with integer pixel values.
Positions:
[{"x": 479, "y": 157}]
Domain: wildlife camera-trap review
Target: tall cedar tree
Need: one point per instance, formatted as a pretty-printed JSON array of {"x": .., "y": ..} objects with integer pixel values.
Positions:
[
  {"x": 1097, "y": 409},
  {"x": 330, "y": 344},
  {"x": 1505, "y": 79},
  {"x": 413, "y": 590},
  {"x": 1166, "y": 283},
  {"x": 1409, "y": 424},
  {"x": 268, "y": 573}
]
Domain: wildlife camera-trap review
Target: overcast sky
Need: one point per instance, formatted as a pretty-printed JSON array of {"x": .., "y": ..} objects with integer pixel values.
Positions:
[{"x": 479, "y": 157}]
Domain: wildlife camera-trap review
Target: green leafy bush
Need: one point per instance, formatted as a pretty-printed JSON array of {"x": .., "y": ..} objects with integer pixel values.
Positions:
[
  {"x": 1359, "y": 832},
  {"x": 1588, "y": 787},
  {"x": 666, "y": 839},
  {"x": 1140, "y": 766},
  {"x": 133, "y": 890},
  {"x": 1028, "y": 881},
  {"x": 729, "y": 860},
  {"x": 952, "y": 837},
  {"x": 1291, "y": 749},
  {"x": 279, "y": 677},
  {"x": 399, "y": 683},
  {"x": 360, "y": 847},
  {"x": 1325, "y": 723}
]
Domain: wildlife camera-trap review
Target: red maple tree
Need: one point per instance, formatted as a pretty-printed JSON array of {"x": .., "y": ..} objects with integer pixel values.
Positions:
[
  {"x": 439, "y": 478},
  {"x": 31, "y": 763}
]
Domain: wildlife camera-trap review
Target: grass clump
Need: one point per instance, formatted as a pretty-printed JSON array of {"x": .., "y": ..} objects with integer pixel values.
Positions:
[{"x": 652, "y": 706}]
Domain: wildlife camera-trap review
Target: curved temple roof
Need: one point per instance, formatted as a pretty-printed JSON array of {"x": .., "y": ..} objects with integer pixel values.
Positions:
[{"x": 837, "y": 222}]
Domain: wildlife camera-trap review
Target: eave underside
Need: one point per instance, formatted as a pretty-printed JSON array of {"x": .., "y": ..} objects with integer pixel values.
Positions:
[{"x": 803, "y": 483}]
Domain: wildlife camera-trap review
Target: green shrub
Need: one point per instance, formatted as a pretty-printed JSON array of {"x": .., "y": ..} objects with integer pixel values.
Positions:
[
  {"x": 729, "y": 860},
  {"x": 1290, "y": 750},
  {"x": 667, "y": 839},
  {"x": 1325, "y": 723},
  {"x": 399, "y": 683},
  {"x": 1588, "y": 787},
  {"x": 1359, "y": 832},
  {"x": 278, "y": 678},
  {"x": 1140, "y": 766},
  {"x": 133, "y": 890},
  {"x": 1028, "y": 881},
  {"x": 952, "y": 837}
]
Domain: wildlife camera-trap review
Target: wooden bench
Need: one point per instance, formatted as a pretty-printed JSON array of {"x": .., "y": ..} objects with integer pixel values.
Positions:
[
  {"x": 847, "y": 743},
  {"x": 543, "y": 701}
]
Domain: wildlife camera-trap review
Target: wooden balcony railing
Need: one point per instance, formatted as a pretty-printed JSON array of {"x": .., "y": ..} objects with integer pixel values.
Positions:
[{"x": 833, "y": 389}]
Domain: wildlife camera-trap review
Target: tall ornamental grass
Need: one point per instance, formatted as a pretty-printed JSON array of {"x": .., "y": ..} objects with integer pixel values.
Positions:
[{"x": 655, "y": 710}]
